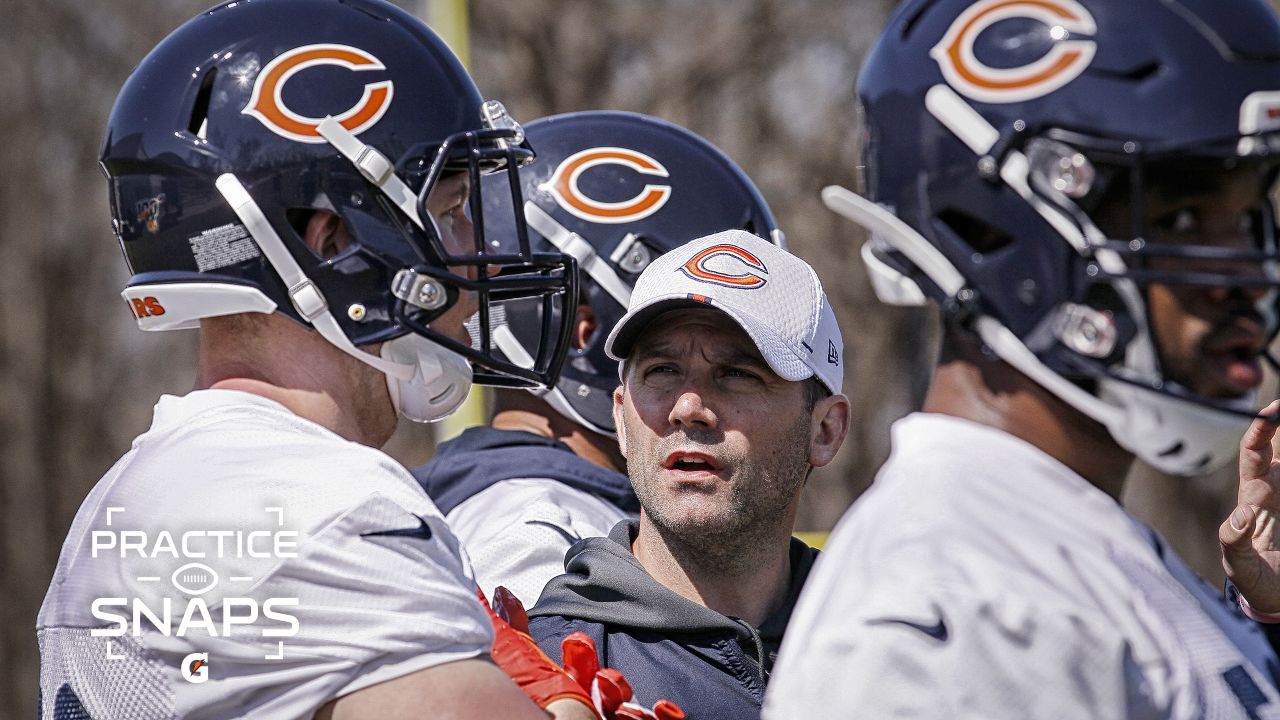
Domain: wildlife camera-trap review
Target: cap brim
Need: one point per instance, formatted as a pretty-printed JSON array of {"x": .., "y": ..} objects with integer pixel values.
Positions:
[
  {"x": 622, "y": 339},
  {"x": 623, "y": 336}
]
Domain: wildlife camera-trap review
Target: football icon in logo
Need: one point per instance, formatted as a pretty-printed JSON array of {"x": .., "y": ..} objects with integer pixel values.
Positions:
[{"x": 194, "y": 578}]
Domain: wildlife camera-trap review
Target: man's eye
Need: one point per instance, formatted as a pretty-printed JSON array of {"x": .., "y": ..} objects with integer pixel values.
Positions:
[
  {"x": 450, "y": 214},
  {"x": 740, "y": 373}
]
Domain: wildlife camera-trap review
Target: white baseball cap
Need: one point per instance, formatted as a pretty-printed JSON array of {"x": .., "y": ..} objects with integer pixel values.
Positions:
[{"x": 773, "y": 295}]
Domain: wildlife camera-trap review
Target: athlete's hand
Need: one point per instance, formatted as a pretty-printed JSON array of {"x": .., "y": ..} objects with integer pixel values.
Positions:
[
  {"x": 609, "y": 689},
  {"x": 604, "y": 690},
  {"x": 545, "y": 682},
  {"x": 1249, "y": 537}
]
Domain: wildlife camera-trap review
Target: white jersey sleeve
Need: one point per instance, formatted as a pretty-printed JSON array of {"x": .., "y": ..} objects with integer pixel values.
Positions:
[
  {"x": 980, "y": 578},
  {"x": 294, "y": 566},
  {"x": 948, "y": 654},
  {"x": 376, "y": 599},
  {"x": 517, "y": 531}
]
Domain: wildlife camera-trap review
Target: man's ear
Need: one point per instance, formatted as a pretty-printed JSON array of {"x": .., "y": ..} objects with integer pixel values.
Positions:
[
  {"x": 321, "y": 235},
  {"x": 619, "y": 427},
  {"x": 830, "y": 423},
  {"x": 584, "y": 326}
]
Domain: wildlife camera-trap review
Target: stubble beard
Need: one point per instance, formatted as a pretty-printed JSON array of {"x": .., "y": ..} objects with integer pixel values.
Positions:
[{"x": 733, "y": 538}]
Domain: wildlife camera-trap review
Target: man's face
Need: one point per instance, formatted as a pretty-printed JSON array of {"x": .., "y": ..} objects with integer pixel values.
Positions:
[
  {"x": 714, "y": 440},
  {"x": 447, "y": 204},
  {"x": 1208, "y": 338}
]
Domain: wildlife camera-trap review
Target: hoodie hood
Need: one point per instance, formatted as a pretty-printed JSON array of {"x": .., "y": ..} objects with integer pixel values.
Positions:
[
  {"x": 483, "y": 456},
  {"x": 604, "y": 583}
]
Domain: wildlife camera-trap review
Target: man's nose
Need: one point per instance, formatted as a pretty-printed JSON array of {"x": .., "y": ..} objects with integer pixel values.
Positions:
[{"x": 690, "y": 409}]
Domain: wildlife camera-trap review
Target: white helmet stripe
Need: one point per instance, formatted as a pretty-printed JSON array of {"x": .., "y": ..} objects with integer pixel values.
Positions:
[
  {"x": 375, "y": 167},
  {"x": 570, "y": 243}
]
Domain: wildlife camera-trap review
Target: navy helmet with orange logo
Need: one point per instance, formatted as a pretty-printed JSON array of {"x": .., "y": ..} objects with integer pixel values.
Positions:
[
  {"x": 615, "y": 190},
  {"x": 253, "y": 115},
  {"x": 1012, "y": 152}
]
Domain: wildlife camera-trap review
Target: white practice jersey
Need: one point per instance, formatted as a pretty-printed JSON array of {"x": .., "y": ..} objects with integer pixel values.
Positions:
[
  {"x": 517, "y": 531},
  {"x": 240, "y": 561},
  {"x": 981, "y": 578}
]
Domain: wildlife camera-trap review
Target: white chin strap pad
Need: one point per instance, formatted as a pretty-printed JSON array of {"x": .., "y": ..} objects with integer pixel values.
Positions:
[
  {"x": 439, "y": 384},
  {"x": 1172, "y": 435}
]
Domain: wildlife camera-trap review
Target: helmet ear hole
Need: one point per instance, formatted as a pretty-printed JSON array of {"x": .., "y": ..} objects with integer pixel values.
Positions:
[
  {"x": 298, "y": 218},
  {"x": 313, "y": 228},
  {"x": 982, "y": 237}
]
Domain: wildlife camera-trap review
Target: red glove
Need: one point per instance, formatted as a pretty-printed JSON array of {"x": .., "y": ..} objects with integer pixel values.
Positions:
[
  {"x": 543, "y": 681},
  {"x": 610, "y": 691},
  {"x": 521, "y": 658}
]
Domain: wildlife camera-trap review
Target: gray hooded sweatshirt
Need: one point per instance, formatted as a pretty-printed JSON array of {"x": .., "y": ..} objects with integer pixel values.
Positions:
[{"x": 668, "y": 647}]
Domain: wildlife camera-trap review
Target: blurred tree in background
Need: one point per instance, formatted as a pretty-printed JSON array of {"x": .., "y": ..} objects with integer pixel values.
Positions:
[
  {"x": 769, "y": 81},
  {"x": 77, "y": 380}
]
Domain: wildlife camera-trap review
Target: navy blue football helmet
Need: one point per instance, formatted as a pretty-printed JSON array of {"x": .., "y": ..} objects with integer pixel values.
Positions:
[
  {"x": 1000, "y": 136},
  {"x": 255, "y": 114},
  {"x": 615, "y": 190}
]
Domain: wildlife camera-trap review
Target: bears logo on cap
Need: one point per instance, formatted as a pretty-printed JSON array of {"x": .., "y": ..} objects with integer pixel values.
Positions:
[{"x": 698, "y": 268}]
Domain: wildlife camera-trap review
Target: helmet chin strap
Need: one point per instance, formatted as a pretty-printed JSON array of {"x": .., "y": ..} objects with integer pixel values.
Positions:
[
  {"x": 598, "y": 269},
  {"x": 425, "y": 381}
]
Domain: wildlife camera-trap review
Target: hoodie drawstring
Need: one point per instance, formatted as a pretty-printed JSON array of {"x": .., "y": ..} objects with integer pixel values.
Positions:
[{"x": 759, "y": 641}]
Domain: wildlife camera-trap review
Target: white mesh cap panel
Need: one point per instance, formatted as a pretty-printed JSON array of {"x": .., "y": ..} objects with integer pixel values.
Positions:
[{"x": 775, "y": 296}]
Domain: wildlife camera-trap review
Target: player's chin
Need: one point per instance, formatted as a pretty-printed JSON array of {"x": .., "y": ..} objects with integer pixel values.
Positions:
[{"x": 697, "y": 513}]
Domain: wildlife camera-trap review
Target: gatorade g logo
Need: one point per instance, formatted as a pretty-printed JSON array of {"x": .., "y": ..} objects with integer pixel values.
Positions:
[
  {"x": 267, "y": 103},
  {"x": 727, "y": 265},
  {"x": 1064, "y": 19},
  {"x": 563, "y": 186},
  {"x": 195, "y": 667}
]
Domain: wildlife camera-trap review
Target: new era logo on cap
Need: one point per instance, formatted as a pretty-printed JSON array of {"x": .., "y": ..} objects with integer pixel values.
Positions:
[{"x": 773, "y": 295}]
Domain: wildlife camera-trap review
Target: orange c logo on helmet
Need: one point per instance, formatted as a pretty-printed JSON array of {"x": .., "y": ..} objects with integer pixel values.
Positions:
[
  {"x": 267, "y": 102},
  {"x": 697, "y": 268},
  {"x": 563, "y": 186},
  {"x": 1062, "y": 64}
]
